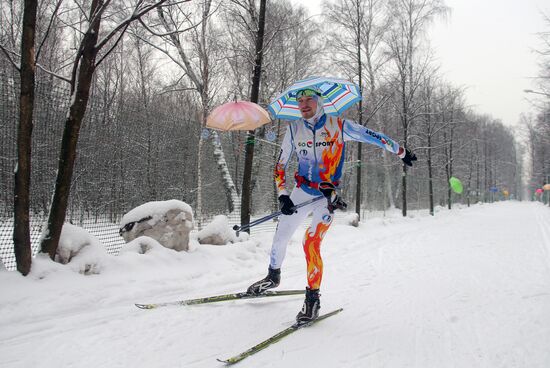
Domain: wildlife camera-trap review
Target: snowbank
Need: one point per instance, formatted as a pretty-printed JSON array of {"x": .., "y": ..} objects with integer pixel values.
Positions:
[
  {"x": 218, "y": 232},
  {"x": 81, "y": 249},
  {"x": 141, "y": 245},
  {"x": 351, "y": 219}
]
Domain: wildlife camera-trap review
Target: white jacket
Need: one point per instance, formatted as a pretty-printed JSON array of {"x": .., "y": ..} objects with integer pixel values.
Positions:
[{"x": 320, "y": 149}]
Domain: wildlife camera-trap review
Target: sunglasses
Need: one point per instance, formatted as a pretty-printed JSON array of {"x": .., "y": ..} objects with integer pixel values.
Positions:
[{"x": 307, "y": 93}]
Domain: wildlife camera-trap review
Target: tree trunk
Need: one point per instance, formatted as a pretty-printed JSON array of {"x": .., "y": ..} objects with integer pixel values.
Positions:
[
  {"x": 430, "y": 174},
  {"x": 387, "y": 178},
  {"x": 404, "y": 173},
  {"x": 229, "y": 186},
  {"x": 359, "y": 177},
  {"x": 358, "y": 183},
  {"x": 67, "y": 156},
  {"x": 404, "y": 190},
  {"x": 21, "y": 229},
  {"x": 198, "y": 209},
  {"x": 250, "y": 140}
]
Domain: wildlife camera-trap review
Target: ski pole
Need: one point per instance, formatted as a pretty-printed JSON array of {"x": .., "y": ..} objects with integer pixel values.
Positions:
[{"x": 238, "y": 228}]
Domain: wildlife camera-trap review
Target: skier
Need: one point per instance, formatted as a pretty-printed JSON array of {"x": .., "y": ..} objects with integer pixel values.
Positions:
[{"x": 318, "y": 140}]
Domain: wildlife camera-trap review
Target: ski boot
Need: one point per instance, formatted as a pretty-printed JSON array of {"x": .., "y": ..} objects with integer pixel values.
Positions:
[
  {"x": 272, "y": 280},
  {"x": 310, "y": 309}
]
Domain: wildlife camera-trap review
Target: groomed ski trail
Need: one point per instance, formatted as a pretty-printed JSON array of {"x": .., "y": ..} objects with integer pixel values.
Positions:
[{"x": 467, "y": 288}]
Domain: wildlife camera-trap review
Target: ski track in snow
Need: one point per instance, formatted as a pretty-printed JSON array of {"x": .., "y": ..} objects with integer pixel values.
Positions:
[{"x": 467, "y": 288}]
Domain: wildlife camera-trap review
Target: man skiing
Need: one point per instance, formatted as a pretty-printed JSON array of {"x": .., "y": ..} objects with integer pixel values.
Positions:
[{"x": 318, "y": 140}]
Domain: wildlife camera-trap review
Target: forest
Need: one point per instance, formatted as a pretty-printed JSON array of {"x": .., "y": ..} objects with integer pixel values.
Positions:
[{"x": 103, "y": 106}]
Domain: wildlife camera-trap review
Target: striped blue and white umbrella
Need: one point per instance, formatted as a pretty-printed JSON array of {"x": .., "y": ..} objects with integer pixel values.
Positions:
[{"x": 338, "y": 94}]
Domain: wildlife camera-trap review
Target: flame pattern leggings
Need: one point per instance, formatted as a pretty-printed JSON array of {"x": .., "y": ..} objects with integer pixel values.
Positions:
[{"x": 320, "y": 223}]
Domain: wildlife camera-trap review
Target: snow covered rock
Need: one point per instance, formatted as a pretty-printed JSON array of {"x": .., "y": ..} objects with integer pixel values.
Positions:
[
  {"x": 218, "y": 232},
  {"x": 352, "y": 219},
  {"x": 81, "y": 249},
  {"x": 168, "y": 222}
]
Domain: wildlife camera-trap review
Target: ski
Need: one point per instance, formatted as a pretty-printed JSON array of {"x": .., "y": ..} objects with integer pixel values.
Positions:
[
  {"x": 222, "y": 298},
  {"x": 275, "y": 338}
]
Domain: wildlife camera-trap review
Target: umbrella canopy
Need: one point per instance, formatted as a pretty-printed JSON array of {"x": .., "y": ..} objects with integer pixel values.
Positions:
[
  {"x": 237, "y": 115},
  {"x": 456, "y": 185},
  {"x": 338, "y": 94}
]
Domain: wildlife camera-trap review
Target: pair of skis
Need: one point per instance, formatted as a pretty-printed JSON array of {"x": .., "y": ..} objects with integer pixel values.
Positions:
[{"x": 236, "y": 296}]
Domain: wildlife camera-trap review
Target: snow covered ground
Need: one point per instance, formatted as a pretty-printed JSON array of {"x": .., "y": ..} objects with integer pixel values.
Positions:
[{"x": 467, "y": 288}]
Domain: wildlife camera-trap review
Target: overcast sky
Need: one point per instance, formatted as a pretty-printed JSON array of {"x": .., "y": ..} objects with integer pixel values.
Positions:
[{"x": 487, "y": 47}]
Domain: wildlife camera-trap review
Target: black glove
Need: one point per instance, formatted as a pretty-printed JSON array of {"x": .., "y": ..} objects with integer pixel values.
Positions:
[
  {"x": 286, "y": 204},
  {"x": 334, "y": 201},
  {"x": 409, "y": 158},
  {"x": 337, "y": 204}
]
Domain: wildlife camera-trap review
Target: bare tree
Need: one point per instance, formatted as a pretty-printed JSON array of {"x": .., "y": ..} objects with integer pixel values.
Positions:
[
  {"x": 284, "y": 50},
  {"x": 540, "y": 145},
  {"x": 200, "y": 68},
  {"x": 361, "y": 26},
  {"x": 28, "y": 23},
  {"x": 410, "y": 19},
  {"x": 246, "y": 192},
  {"x": 21, "y": 231},
  {"x": 90, "y": 46}
]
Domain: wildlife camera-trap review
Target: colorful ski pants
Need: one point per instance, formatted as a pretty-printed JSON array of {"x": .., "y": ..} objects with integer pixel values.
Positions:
[{"x": 320, "y": 222}]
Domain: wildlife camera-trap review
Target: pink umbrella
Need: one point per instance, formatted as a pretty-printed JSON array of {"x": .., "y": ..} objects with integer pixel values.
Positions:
[{"x": 237, "y": 115}]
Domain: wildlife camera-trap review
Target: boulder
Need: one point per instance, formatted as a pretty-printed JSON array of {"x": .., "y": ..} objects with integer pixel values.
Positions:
[{"x": 168, "y": 222}]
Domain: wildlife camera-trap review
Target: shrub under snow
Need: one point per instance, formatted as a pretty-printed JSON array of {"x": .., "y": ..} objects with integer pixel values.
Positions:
[
  {"x": 352, "y": 219},
  {"x": 218, "y": 232},
  {"x": 79, "y": 248}
]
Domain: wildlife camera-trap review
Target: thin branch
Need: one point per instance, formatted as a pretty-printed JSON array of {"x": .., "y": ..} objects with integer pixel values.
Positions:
[
  {"x": 36, "y": 64},
  {"x": 168, "y": 33},
  {"x": 137, "y": 14},
  {"x": 60, "y": 77},
  {"x": 46, "y": 34},
  {"x": 162, "y": 50},
  {"x": 7, "y": 53},
  {"x": 186, "y": 63},
  {"x": 98, "y": 13},
  {"x": 177, "y": 90},
  {"x": 114, "y": 46},
  {"x": 84, "y": 13}
]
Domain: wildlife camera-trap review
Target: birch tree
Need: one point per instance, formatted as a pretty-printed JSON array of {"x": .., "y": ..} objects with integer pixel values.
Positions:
[
  {"x": 200, "y": 67},
  {"x": 289, "y": 40}
]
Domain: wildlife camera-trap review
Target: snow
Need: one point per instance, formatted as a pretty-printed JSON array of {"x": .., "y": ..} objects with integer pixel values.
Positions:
[
  {"x": 469, "y": 287},
  {"x": 352, "y": 219},
  {"x": 155, "y": 209},
  {"x": 74, "y": 240},
  {"x": 218, "y": 232}
]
